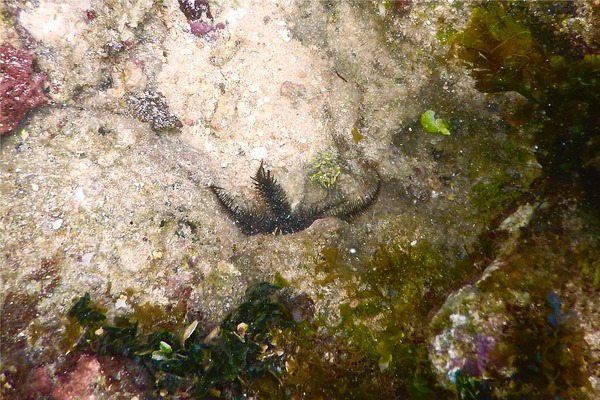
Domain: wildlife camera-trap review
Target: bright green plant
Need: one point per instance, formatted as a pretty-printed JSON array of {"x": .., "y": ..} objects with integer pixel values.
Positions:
[{"x": 433, "y": 124}]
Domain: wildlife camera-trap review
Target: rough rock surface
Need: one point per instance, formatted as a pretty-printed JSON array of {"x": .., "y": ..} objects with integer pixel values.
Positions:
[{"x": 94, "y": 200}]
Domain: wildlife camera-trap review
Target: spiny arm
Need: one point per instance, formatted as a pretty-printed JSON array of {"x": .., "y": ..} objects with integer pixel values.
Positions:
[
  {"x": 271, "y": 192},
  {"x": 348, "y": 211},
  {"x": 249, "y": 222}
]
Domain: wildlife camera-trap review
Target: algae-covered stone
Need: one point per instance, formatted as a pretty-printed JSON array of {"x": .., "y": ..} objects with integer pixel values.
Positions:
[
  {"x": 503, "y": 343},
  {"x": 515, "y": 333}
]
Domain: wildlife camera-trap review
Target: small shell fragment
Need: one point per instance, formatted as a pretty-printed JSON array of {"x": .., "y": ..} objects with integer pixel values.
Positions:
[
  {"x": 57, "y": 224},
  {"x": 189, "y": 330}
]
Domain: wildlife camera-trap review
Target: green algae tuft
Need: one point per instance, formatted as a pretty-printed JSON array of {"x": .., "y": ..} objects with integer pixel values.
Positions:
[{"x": 324, "y": 169}]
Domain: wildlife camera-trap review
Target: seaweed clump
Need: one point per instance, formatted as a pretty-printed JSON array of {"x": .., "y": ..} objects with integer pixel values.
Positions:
[
  {"x": 390, "y": 296},
  {"x": 509, "y": 47},
  {"x": 269, "y": 347},
  {"x": 324, "y": 169},
  {"x": 224, "y": 365}
]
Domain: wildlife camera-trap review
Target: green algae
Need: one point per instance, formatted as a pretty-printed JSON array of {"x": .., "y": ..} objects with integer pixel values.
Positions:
[
  {"x": 591, "y": 269},
  {"x": 239, "y": 355},
  {"x": 445, "y": 34},
  {"x": 433, "y": 124},
  {"x": 152, "y": 317},
  {"x": 493, "y": 197},
  {"x": 516, "y": 46},
  {"x": 357, "y": 137},
  {"x": 280, "y": 281},
  {"x": 261, "y": 348},
  {"x": 85, "y": 314},
  {"x": 499, "y": 49},
  {"x": 324, "y": 169}
]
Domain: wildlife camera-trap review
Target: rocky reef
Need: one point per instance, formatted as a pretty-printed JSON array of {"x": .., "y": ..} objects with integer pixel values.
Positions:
[{"x": 465, "y": 267}]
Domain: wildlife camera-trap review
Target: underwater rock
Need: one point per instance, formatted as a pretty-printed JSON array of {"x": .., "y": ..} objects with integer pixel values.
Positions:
[
  {"x": 78, "y": 383},
  {"x": 222, "y": 53},
  {"x": 193, "y": 11},
  {"x": 468, "y": 319},
  {"x": 152, "y": 107},
  {"x": 41, "y": 384},
  {"x": 21, "y": 88},
  {"x": 293, "y": 91}
]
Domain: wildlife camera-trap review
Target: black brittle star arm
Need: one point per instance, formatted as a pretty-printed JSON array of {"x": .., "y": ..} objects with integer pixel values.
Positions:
[
  {"x": 351, "y": 210},
  {"x": 249, "y": 221},
  {"x": 272, "y": 193}
]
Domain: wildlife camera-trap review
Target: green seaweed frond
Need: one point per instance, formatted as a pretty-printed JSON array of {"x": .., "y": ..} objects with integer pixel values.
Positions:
[
  {"x": 509, "y": 47},
  {"x": 433, "y": 124}
]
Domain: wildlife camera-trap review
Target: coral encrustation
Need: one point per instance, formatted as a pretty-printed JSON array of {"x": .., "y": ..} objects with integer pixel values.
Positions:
[
  {"x": 21, "y": 89},
  {"x": 193, "y": 11}
]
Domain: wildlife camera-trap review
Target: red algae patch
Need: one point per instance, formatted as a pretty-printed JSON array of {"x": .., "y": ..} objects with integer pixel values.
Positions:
[{"x": 21, "y": 89}]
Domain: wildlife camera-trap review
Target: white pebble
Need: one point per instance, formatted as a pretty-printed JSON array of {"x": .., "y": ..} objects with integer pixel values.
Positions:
[
  {"x": 121, "y": 302},
  {"x": 259, "y": 153},
  {"x": 57, "y": 224},
  {"x": 285, "y": 35}
]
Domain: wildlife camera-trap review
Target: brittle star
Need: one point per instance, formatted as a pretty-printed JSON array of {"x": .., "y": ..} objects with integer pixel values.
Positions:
[{"x": 278, "y": 217}]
